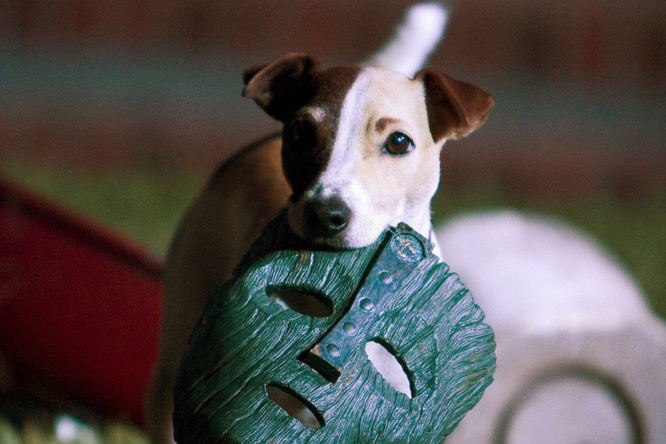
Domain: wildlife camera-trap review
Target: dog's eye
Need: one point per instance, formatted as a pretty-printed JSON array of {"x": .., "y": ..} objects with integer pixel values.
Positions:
[
  {"x": 303, "y": 132},
  {"x": 398, "y": 144}
]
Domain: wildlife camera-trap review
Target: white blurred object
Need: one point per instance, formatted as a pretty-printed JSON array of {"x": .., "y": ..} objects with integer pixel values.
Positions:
[
  {"x": 71, "y": 430},
  {"x": 539, "y": 275},
  {"x": 414, "y": 40},
  {"x": 580, "y": 358}
]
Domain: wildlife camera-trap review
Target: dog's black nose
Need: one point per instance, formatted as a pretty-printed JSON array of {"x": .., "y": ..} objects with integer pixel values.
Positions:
[{"x": 326, "y": 218}]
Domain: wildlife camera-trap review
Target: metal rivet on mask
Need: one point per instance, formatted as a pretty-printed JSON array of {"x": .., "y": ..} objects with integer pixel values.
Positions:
[
  {"x": 385, "y": 277},
  {"x": 367, "y": 305},
  {"x": 349, "y": 328},
  {"x": 408, "y": 248},
  {"x": 333, "y": 350}
]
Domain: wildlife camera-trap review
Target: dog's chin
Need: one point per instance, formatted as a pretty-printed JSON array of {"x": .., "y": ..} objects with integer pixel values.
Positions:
[{"x": 340, "y": 241}]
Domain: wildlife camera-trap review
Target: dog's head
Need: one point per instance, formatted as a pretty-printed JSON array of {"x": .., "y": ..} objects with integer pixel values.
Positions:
[{"x": 361, "y": 146}]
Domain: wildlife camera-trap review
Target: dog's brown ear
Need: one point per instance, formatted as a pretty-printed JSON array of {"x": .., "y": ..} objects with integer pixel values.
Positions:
[
  {"x": 251, "y": 71},
  {"x": 274, "y": 86},
  {"x": 455, "y": 108}
]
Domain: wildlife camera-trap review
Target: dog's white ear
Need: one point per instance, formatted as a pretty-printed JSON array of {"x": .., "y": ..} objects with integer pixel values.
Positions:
[
  {"x": 275, "y": 86},
  {"x": 455, "y": 108}
]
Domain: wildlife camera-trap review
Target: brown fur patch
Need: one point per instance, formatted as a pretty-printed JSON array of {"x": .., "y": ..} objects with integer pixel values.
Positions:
[
  {"x": 221, "y": 170},
  {"x": 455, "y": 108},
  {"x": 304, "y": 160}
]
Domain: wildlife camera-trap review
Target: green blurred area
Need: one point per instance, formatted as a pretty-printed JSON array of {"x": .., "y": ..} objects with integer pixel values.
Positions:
[
  {"x": 46, "y": 428},
  {"x": 146, "y": 203}
]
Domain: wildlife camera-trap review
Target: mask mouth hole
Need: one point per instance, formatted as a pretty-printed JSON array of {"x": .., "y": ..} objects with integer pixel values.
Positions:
[
  {"x": 306, "y": 302},
  {"x": 296, "y": 406},
  {"x": 393, "y": 369}
]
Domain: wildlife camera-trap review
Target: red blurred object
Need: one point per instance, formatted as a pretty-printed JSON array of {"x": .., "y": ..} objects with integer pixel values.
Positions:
[{"x": 78, "y": 306}]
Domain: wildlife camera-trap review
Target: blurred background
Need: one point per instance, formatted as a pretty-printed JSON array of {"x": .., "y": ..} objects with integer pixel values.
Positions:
[{"x": 118, "y": 110}]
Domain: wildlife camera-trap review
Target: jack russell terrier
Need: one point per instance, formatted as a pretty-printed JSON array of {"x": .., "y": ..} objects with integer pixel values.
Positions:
[{"x": 359, "y": 150}]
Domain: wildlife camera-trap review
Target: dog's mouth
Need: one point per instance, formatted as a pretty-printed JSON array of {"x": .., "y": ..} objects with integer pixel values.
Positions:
[{"x": 336, "y": 242}]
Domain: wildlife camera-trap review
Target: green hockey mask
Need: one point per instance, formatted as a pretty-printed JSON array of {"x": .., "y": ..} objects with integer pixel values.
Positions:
[{"x": 282, "y": 352}]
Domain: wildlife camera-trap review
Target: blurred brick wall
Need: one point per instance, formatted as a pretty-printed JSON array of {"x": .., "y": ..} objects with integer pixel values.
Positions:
[
  {"x": 591, "y": 40},
  {"x": 581, "y": 86}
]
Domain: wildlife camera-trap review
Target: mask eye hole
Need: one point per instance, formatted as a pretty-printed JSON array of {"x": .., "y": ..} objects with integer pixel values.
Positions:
[
  {"x": 303, "y": 301},
  {"x": 296, "y": 406},
  {"x": 392, "y": 369},
  {"x": 398, "y": 144}
]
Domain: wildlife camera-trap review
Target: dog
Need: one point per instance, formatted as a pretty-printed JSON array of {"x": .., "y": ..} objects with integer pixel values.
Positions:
[{"x": 359, "y": 151}]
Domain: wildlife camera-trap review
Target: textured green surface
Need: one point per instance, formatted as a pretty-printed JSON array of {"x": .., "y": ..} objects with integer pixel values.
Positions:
[{"x": 246, "y": 341}]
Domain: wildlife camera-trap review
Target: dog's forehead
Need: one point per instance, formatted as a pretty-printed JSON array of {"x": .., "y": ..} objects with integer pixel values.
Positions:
[
  {"x": 381, "y": 90},
  {"x": 391, "y": 92},
  {"x": 328, "y": 88},
  {"x": 384, "y": 79}
]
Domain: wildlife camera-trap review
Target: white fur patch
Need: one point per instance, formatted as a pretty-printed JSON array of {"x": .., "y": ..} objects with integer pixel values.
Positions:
[
  {"x": 347, "y": 136},
  {"x": 317, "y": 113}
]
